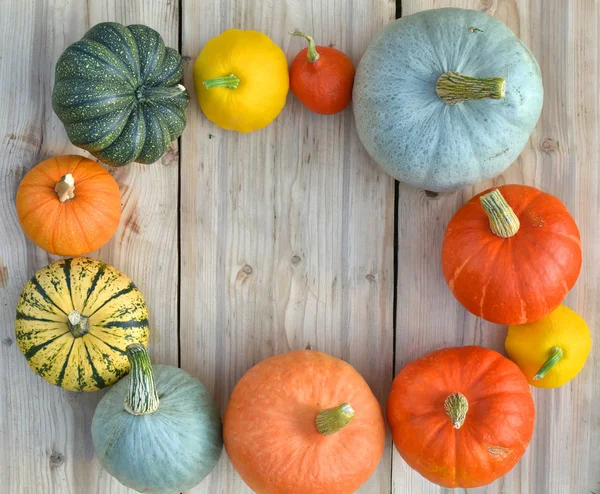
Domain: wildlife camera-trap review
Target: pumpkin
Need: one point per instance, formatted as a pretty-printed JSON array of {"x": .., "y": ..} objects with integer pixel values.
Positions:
[
  {"x": 552, "y": 350},
  {"x": 241, "y": 80},
  {"x": 69, "y": 205},
  {"x": 118, "y": 95},
  {"x": 157, "y": 430},
  {"x": 511, "y": 255},
  {"x": 461, "y": 417},
  {"x": 74, "y": 320},
  {"x": 321, "y": 77},
  {"x": 303, "y": 423},
  {"x": 446, "y": 97}
]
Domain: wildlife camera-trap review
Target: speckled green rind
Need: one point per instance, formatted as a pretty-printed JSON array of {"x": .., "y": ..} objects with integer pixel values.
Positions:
[
  {"x": 118, "y": 95},
  {"x": 411, "y": 132}
]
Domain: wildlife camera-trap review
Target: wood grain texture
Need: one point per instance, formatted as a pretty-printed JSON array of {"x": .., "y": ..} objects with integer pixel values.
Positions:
[
  {"x": 44, "y": 431},
  {"x": 287, "y": 232},
  {"x": 561, "y": 158}
]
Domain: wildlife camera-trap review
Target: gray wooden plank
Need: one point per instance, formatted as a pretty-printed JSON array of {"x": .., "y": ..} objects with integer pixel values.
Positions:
[
  {"x": 561, "y": 158},
  {"x": 287, "y": 233},
  {"x": 44, "y": 431}
]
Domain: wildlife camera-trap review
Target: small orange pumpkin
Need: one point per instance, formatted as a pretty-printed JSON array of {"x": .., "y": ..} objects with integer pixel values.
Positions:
[
  {"x": 69, "y": 205},
  {"x": 461, "y": 417},
  {"x": 303, "y": 423}
]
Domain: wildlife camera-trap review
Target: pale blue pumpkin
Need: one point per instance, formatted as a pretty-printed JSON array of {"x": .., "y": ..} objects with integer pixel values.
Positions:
[
  {"x": 446, "y": 98},
  {"x": 157, "y": 430}
]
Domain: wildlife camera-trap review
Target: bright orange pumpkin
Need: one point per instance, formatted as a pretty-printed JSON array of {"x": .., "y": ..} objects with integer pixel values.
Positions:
[
  {"x": 303, "y": 423},
  {"x": 461, "y": 417},
  {"x": 69, "y": 205},
  {"x": 510, "y": 255}
]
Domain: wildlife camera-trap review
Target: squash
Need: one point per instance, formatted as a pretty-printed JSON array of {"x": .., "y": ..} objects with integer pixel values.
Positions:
[
  {"x": 446, "y": 97},
  {"x": 303, "y": 423},
  {"x": 241, "y": 80},
  {"x": 510, "y": 255},
  {"x": 118, "y": 95},
  {"x": 321, "y": 77},
  {"x": 158, "y": 429},
  {"x": 552, "y": 350},
  {"x": 69, "y": 205},
  {"x": 461, "y": 417},
  {"x": 75, "y": 318}
]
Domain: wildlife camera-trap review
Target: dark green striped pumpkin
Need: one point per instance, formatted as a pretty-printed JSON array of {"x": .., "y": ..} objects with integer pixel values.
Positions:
[
  {"x": 117, "y": 92},
  {"x": 75, "y": 318}
]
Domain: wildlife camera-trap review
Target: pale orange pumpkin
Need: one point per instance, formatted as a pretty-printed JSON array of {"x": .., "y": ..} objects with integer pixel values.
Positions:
[
  {"x": 69, "y": 205},
  {"x": 303, "y": 423}
]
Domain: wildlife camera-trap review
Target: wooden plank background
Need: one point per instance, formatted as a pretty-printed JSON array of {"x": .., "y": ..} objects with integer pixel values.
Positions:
[{"x": 250, "y": 245}]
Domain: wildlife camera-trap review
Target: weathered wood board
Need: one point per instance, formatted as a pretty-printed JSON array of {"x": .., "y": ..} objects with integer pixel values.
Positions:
[{"x": 250, "y": 245}]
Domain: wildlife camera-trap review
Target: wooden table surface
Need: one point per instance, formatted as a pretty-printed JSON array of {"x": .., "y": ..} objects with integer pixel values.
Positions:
[{"x": 290, "y": 237}]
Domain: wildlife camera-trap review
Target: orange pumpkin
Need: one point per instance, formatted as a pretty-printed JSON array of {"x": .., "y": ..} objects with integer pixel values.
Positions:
[
  {"x": 69, "y": 205},
  {"x": 511, "y": 255},
  {"x": 303, "y": 423},
  {"x": 461, "y": 417}
]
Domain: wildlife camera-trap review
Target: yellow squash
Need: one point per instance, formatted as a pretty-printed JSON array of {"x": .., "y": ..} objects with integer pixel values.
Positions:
[
  {"x": 74, "y": 320},
  {"x": 241, "y": 80},
  {"x": 551, "y": 351}
]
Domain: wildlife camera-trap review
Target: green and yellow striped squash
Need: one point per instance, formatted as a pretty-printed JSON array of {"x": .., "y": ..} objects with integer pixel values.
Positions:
[{"x": 74, "y": 320}]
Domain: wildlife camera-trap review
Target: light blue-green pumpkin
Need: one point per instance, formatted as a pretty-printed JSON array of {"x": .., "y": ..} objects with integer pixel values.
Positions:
[
  {"x": 157, "y": 430},
  {"x": 446, "y": 98}
]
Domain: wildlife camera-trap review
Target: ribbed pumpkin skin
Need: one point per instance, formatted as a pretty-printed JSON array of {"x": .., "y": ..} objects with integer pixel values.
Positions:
[
  {"x": 411, "y": 132},
  {"x": 117, "y": 92},
  {"x": 79, "y": 225},
  {"x": 518, "y": 279},
  {"x": 118, "y": 317},
  {"x": 498, "y": 425},
  {"x": 168, "y": 451},
  {"x": 270, "y": 433}
]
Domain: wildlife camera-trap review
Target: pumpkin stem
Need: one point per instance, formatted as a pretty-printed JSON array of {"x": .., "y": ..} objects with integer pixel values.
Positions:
[
  {"x": 65, "y": 188},
  {"x": 78, "y": 324},
  {"x": 312, "y": 54},
  {"x": 144, "y": 93},
  {"x": 230, "y": 81},
  {"x": 332, "y": 420},
  {"x": 503, "y": 220},
  {"x": 142, "y": 398},
  {"x": 456, "y": 407},
  {"x": 454, "y": 88},
  {"x": 556, "y": 354}
]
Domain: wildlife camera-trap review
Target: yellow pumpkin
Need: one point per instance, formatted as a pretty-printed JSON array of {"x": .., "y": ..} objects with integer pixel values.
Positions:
[
  {"x": 74, "y": 320},
  {"x": 552, "y": 350},
  {"x": 241, "y": 80}
]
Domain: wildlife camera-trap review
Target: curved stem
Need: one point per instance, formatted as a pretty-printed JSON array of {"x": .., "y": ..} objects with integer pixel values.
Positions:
[
  {"x": 454, "y": 88},
  {"x": 503, "y": 220},
  {"x": 142, "y": 398},
  {"x": 144, "y": 93},
  {"x": 65, "y": 188},
  {"x": 230, "y": 81},
  {"x": 78, "y": 324},
  {"x": 312, "y": 54},
  {"x": 456, "y": 407},
  {"x": 556, "y": 354},
  {"x": 332, "y": 420}
]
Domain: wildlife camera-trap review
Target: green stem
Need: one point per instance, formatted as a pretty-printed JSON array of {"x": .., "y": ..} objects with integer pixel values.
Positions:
[
  {"x": 456, "y": 407},
  {"x": 312, "y": 54},
  {"x": 65, "y": 188},
  {"x": 453, "y": 88},
  {"x": 332, "y": 420},
  {"x": 503, "y": 220},
  {"x": 144, "y": 93},
  {"x": 78, "y": 324},
  {"x": 142, "y": 398},
  {"x": 556, "y": 354},
  {"x": 230, "y": 81}
]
